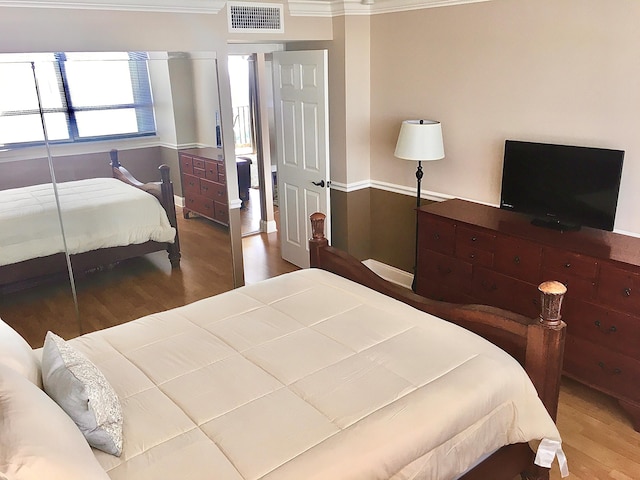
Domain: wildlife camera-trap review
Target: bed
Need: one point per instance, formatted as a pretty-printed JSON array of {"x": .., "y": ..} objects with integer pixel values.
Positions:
[
  {"x": 106, "y": 220},
  {"x": 310, "y": 375}
]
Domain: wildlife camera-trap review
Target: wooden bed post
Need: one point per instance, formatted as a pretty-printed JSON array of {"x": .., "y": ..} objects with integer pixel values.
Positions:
[
  {"x": 545, "y": 346},
  {"x": 163, "y": 191},
  {"x": 115, "y": 163},
  {"x": 317, "y": 240},
  {"x": 168, "y": 204}
]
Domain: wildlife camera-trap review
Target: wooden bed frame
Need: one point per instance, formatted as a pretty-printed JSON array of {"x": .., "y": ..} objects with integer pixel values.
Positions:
[
  {"x": 35, "y": 271},
  {"x": 538, "y": 344}
]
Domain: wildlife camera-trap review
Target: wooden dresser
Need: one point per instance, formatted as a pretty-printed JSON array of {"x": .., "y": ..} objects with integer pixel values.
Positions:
[
  {"x": 204, "y": 183},
  {"x": 472, "y": 253}
]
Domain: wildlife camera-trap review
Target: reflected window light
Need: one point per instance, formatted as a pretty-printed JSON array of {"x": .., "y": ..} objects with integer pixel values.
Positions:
[{"x": 85, "y": 97}]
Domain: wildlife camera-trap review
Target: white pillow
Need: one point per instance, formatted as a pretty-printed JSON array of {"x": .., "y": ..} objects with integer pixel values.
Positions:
[
  {"x": 37, "y": 439},
  {"x": 16, "y": 353},
  {"x": 84, "y": 393}
]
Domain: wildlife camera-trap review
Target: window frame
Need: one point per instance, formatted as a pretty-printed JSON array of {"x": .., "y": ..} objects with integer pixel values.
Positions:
[{"x": 143, "y": 100}]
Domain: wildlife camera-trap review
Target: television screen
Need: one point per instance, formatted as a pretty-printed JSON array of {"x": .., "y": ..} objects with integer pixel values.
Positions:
[{"x": 561, "y": 186}]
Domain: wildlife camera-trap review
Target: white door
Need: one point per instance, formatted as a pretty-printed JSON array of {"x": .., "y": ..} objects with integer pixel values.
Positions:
[{"x": 302, "y": 147}]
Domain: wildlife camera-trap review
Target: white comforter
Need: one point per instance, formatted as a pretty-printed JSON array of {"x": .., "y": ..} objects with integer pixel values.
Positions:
[
  {"x": 96, "y": 213},
  {"x": 309, "y": 376}
]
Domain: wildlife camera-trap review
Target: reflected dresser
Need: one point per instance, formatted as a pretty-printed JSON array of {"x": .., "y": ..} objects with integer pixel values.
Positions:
[{"x": 204, "y": 184}]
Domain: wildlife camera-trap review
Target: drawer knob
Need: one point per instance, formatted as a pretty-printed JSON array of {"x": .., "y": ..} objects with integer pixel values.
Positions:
[
  {"x": 473, "y": 239},
  {"x": 206, "y": 189},
  {"x": 612, "y": 371},
  {"x": 567, "y": 265},
  {"x": 611, "y": 329},
  {"x": 444, "y": 270},
  {"x": 627, "y": 292},
  {"x": 436, "y": 236},
  {"x": 516, "y": 259},
  {"x": 473, "y": 255},
  {"x": 489, "y": 286}
]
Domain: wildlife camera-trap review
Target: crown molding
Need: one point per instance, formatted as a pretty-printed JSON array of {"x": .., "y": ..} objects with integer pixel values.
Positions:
[
  {"x": 330, "y": 8},
  {"x": 299, "y": 8},
  {"x": 165, "y": 6},
  {"x": 334, "y": 8}
]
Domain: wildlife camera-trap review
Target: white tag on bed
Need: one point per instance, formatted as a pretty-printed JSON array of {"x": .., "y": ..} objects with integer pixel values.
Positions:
[{"x": 547, "y": 451}]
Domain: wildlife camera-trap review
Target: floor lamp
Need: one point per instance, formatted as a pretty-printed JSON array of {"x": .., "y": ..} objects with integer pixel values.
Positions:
[{"x": 419, "y": 140}]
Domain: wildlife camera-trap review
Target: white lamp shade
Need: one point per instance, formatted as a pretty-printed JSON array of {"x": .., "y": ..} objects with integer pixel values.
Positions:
[{"x": 420, "y": 140}]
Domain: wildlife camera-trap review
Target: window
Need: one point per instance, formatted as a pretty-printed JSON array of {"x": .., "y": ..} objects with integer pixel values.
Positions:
[{"x": 83, "y": 97}]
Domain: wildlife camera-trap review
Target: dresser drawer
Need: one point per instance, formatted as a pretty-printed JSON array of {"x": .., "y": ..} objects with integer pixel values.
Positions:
[
  {"x": 211, "y": 171},
  {"x": 437, "y": 269},
  {"x": 444, "y": 293},
  {"x": 221, "y": 212},
  {"x": 518, "y": 258},
  {"x": 437, "y": 235},
  {"x": 471, "y": 238},
  {"x": 198, "y": 163},
  {"x": 595, "y": 365},
  {"x": 191, "y": 184},
  {"x": 491, "y": 288},
  {"x": 474, "y": 255},
  {"x": 199, "y": 204},
  {"x": 186, "y": 164},
  {"x": 213, "y": 190},
  {"x": 619, "y": 289},
  {"x": 577, "y": 287},
  {"x": 570, "y": 263},
  {"x": 608, "y": 328}
]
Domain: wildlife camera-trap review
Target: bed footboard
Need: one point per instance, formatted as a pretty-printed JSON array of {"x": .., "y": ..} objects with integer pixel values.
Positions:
[{"x": 162, "y": 190}]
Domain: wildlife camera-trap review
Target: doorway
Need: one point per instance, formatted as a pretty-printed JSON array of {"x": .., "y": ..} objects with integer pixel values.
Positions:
[{"x": 256, "y": 175}]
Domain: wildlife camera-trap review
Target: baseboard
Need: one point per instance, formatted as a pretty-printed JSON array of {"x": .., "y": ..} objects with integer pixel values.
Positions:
[
  {"x": 268, "y": 226},
  {"x": 178, "y": 201},
  {"x": 392, "y": 274}
]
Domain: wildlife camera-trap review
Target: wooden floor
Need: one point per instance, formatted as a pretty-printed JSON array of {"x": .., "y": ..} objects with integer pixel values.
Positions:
[
  {"x": 141, "y": 286},
  {"x": 598, "y": 439}
]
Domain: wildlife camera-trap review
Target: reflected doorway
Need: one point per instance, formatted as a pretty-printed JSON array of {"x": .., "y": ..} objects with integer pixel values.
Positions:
[{"x": 251, "y": 124}]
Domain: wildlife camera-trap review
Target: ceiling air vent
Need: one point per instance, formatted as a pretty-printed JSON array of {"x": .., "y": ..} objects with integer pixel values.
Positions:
[{"x": 255, "y": 17}]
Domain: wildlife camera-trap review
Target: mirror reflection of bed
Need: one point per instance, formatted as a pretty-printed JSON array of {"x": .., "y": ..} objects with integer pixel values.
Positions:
[{"x": 185, "y": 100}]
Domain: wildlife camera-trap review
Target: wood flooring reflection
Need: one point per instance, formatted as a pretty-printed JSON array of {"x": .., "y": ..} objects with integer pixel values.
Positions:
[{"x": 140, "y": 286}]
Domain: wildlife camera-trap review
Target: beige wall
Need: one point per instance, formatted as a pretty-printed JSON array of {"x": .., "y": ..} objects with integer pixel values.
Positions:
[{"x": 558, "y": 71}]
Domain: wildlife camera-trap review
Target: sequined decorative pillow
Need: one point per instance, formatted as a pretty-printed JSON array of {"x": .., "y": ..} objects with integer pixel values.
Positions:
[{"x": 83, "y": 393}]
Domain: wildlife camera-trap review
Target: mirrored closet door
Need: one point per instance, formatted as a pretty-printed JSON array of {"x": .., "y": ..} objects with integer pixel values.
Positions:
[{"x": 116, "y": 123}]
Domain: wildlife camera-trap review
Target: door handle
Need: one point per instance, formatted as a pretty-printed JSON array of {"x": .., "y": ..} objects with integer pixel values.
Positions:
[{"x": 319, "y": 184}]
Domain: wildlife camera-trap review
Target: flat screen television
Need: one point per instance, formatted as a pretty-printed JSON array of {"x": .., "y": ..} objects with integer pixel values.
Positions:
[{"x": 562, "y": 187}]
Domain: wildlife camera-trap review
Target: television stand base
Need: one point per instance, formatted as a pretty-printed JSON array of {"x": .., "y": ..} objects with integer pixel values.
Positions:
[{"x": 555, "y": 224}]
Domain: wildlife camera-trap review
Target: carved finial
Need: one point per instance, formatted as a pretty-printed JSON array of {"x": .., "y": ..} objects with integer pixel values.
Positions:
[
  {"x": 165, "y": 173},
  {"x": 551, "y": 294},
  {"x": 317, "y": 225}
]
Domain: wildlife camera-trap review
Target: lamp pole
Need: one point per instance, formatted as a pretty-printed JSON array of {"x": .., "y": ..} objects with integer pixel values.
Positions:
[{"x": 415, "y": 258}]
